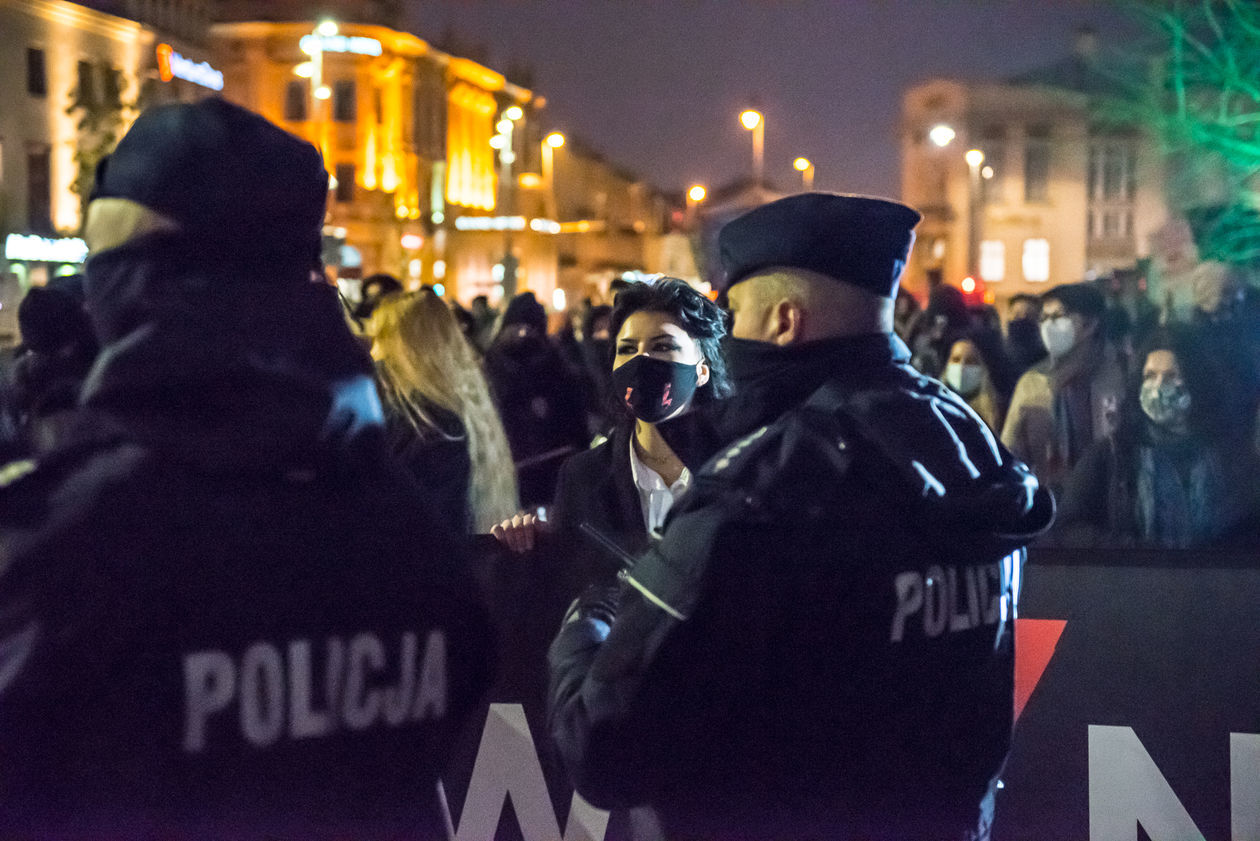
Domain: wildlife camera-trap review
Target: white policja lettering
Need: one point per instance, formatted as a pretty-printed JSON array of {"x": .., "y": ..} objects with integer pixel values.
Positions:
[{"x": 276, "y": 695}]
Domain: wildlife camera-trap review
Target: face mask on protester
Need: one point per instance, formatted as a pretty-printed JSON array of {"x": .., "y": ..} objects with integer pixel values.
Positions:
[
  {"x": 654, "y": 389},
  {"x": 1166, "y": 405},
  {"x": 1058, "y": 335},
  {"x": 964, "y": 379}
]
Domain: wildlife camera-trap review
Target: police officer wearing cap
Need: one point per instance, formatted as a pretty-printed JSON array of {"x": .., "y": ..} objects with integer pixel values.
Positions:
[
  {"x": 223, "y": 613},
  {"x": 820, "y": 645}
]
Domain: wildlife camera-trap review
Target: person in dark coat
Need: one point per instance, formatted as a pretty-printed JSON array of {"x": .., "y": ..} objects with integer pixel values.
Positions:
[
  {"x": 49, "y": 367},
  {"x": 440, "y": 421},
  {"x": 541, "y": 402},
  {"x": 222, "y": 612},
  {"x": 1177, "y": 473},
  {"x": 820, "y": 645}
]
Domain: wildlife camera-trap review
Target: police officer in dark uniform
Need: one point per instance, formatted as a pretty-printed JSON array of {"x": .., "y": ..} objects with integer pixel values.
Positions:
[
  {"x": 223, "y": 615},
  {"x": 820, "y": 645}
]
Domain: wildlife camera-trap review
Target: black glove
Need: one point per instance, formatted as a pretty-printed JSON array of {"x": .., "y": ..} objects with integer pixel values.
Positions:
[{"x": 598, "y": 601}]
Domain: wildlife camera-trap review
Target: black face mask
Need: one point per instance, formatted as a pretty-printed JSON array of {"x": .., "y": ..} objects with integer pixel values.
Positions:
[{"x": 654, "y": 389}]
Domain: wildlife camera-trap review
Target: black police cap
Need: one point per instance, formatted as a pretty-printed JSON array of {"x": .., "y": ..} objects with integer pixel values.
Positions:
[
  {"x": 860, "y": 240},
  {"x": 239, "y": 185}
]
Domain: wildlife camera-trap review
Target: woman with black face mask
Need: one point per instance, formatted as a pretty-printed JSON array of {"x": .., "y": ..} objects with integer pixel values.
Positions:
[
  {"x": 1175, "y": 475},
  {"x": 665, "y": 358}
]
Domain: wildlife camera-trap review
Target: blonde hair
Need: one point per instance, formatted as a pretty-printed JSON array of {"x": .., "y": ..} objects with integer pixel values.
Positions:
[{"x": 425, "y": 359}]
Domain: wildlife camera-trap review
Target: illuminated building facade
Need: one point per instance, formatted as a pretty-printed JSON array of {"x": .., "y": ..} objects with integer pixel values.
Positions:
[
  {"x": 64, "y": 61},
  {"x": 1021, "y": 186},
  {"x": 417, "y": 190}
]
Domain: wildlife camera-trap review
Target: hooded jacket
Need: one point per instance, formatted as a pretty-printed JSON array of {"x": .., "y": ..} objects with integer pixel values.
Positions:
[
  {"x": 223, "y": 613},
  {"x": 820, "y": 645}
]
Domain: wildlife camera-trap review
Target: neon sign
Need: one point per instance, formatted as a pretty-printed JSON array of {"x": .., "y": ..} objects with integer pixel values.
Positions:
[
  {"x": 311, "y": 44},
  {"x": 36, "y": 249},
  {"x": 172, "y": 65}
]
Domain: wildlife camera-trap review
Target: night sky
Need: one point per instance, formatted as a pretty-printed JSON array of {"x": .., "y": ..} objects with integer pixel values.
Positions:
[{"x": 658, "y": 86}]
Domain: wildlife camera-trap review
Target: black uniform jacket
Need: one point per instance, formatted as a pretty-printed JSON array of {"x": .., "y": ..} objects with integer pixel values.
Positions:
[
  {"x": 596, "y": 488},
  {"x": 821, "y": 643},
  {"x": 223, "y": 614}
]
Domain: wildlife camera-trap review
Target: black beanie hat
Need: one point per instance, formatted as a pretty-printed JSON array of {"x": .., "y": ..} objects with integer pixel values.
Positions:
[
  {"x": 242, "y": 188},
  {"x": 856, "y": 239},
  {"x": 525, "y": 309}
]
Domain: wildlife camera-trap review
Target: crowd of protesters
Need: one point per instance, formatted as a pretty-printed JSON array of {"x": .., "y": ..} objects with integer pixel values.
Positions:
[
  {"x": 207, "y": 396},
  {"x": 1143, "y": 422}
]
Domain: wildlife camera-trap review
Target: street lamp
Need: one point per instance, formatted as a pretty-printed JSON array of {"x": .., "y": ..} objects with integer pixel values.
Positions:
[
  {"x": 974, "y": 159},
  {"x": 941, "y": 134},
  {"x": 507, "y": 156},
  {"x": 754, "y": 122},
  {"x": 806, "y": 169}
]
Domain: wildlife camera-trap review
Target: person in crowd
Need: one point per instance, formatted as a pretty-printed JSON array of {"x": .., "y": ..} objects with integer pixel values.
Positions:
[
  {"x": 440, "y": 420},
  {"x": 540, "y": 400},
  {"x": 975, "y": 371},
  {"x": 1024, "y": 347},
  {"x": 375, "y": 288},
  {"x": 944, "y": 322},
  {"x": 595, "y": 353},
  {"x": 667, "y": 356},
  {"x": 223, "y": 613},
  {"x": 782, "y": 664},
  {"x": 1064, "y": 404},
  {"x": 484, "y": 318},
  {"x": 1176, "y": 474},
  {"x": 50, "y": 365},
  {"x": 906, "y": 314}
]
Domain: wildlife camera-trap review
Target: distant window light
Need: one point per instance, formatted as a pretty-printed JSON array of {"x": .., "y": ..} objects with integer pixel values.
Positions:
[
  {"x": 1036, "y": 261},
  {"x": 295, "y": 101},
  {"x": 1036, "y": 169},
  {"x": 36, "y": 73},
  {"x": 344, "y": 191},
  {"x": 344, "y": 105},
  {"x": 992, "y": 260}
]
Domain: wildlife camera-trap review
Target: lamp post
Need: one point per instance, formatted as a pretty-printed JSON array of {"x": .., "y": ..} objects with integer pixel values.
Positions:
[
  {"x": 754, "y": 122},
  {"x": 974, "y": 159},
  {"x": 695, "y": 194},
  {"x": 550, "y": 144},
  {"x": 314, "y": 70},
  {"x": 806, "y": 169},
  {"x": 503, "y": 141}
]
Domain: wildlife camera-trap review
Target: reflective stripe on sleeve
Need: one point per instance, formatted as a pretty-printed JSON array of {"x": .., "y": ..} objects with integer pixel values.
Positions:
[{"x": 654, "y": 599}]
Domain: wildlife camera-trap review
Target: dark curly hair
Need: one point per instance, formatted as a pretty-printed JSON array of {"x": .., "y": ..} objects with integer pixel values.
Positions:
[{"x": 702, "y": 319}]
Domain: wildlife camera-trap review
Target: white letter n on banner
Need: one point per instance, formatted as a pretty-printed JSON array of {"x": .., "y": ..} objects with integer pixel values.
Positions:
[
  {"x": 1126, "y": 788},
  {"x": 507, "y": 765}
]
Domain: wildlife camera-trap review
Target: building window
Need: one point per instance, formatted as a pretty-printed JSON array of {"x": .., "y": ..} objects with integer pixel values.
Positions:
[
  {"x": 295, "y": 101},
  {"x": 39, "y": 190},
  {"x": 1036, "y": 260},
  {"x": 1037, "y": 164},
  {"x": 86, "y": 91},
  {"x": 992, "y": 260},
  {"x": 344, "y": 106},
  {"x": 470, "y": 179},
  {"x": 345, "y": 183},
  {"x": 36, "y": 73}
]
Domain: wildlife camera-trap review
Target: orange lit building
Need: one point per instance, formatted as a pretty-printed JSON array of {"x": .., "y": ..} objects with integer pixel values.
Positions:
[
  {"x": 60, "y": 60},
  {"x": 406, "y": 131}
]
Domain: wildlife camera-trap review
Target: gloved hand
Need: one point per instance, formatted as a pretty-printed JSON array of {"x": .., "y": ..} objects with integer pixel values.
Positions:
[{"x": 598, "y": 602}]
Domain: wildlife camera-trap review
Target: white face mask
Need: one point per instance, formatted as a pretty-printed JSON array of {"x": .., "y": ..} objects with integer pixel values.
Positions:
[
  {"x": 1059, "y": 335},
  {"x": 964, "y": 379}
]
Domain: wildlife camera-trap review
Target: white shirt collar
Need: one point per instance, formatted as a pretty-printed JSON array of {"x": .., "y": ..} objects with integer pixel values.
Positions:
[{"x": 655, "y": 497}]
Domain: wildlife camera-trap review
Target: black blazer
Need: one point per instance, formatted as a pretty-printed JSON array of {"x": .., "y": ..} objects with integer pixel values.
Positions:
[{"x": 597, "y": 487}]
